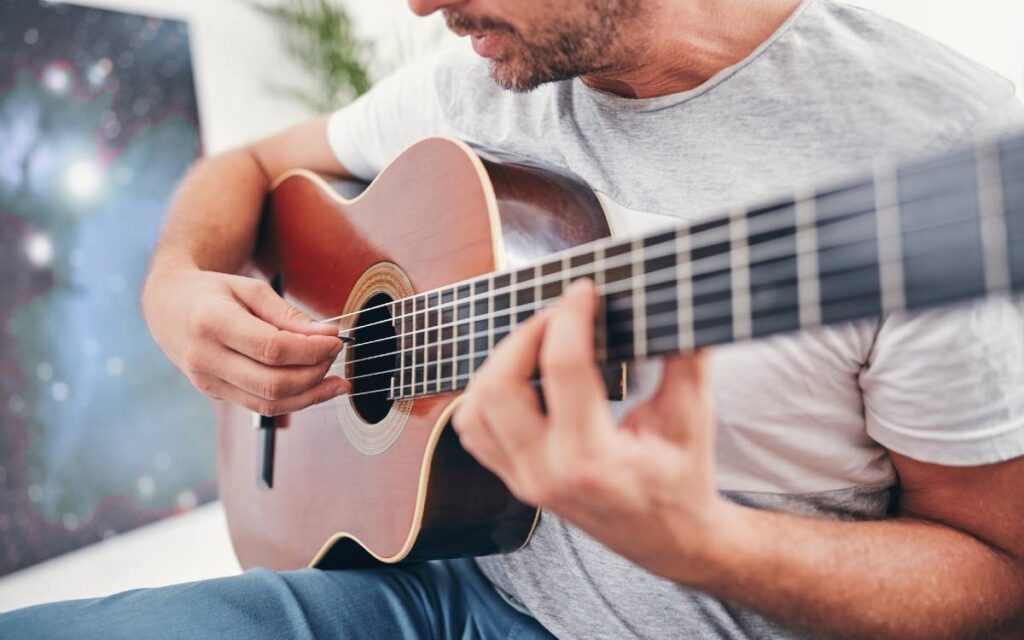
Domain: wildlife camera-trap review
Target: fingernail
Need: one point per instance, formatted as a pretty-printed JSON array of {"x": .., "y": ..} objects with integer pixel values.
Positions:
[
  {"x": 342, "y": 389},
  {"x": 579, "y": 284},
  {"x": 336, "y": 350}
]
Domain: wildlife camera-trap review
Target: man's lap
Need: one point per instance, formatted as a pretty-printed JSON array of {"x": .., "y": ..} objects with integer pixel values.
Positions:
[{"x": 448, "y": 599}]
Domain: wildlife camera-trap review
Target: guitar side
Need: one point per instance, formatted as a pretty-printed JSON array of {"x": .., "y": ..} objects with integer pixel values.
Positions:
[{"x": 350, "y": 491}]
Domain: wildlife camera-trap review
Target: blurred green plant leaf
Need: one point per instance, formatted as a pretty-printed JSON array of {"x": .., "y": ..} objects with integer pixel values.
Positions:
[{"x": 318, "y": 35}]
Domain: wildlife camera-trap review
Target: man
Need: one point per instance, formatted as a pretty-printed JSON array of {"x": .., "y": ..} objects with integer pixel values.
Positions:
[{"x": 772, "y": 524}]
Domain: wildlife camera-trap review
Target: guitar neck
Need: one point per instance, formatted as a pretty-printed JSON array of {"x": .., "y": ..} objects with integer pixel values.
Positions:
[{"x": 912, "y": 236}]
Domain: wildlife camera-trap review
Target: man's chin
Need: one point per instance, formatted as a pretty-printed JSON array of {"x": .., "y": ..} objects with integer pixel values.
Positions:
[{"x": 508, "y": 73}]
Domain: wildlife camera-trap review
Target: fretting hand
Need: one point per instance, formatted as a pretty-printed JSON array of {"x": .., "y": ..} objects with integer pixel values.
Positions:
[{"x": 644, "y": 487}]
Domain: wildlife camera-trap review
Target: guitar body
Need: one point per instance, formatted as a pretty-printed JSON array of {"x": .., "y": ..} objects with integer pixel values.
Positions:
[{"x": 361, "y": 480}]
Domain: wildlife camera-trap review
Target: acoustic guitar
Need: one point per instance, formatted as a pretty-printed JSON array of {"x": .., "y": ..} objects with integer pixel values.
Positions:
[{"x": 447, "y": 251}]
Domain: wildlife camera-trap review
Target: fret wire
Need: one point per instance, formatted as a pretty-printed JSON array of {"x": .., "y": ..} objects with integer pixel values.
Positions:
[
  {"x": 399, "y": 334},
  {"x": 455, "y": 335},
  {"x": 600, "y": 264},
  {"x": 482, "y": 326},
  {"x": 890, "y": 250},
  {"x": 426, "y": 342},
  {"x": 472, "y": 329},
  {"x": 684, "y": 290},
  {"x": 412, "y": 376},
  {"x": 440, "y": 323},
  {"x": 490, "y": 313},
  {"x": 809, "y": 291},
  {"x": 993, "y": 218},
  {"x": 637, "y": 296},
  {"x": 513, "y": 300},
  {"x": 742, "y": 320},
  {"x": 538, "y": 293}
]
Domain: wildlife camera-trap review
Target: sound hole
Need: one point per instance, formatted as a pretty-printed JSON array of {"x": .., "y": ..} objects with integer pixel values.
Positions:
[{"x": 373, "y": 359}]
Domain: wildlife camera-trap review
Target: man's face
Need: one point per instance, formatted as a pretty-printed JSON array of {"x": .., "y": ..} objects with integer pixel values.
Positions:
[{"x": 530, "y": 42}]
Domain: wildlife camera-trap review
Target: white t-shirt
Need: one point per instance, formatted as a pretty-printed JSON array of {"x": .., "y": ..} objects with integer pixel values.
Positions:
[{"x": 805, "y": 420}]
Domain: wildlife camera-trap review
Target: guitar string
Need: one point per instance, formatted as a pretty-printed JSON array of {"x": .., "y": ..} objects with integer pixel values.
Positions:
[
  {"x": 432, "y": 364},
  {"x": 604, "y": 355},
  {"x": 777, "y": 211},
  {"x": 668, "y": 343},
  {"x": 627, "y": 284},
  {"x": 721, "y": 235}
]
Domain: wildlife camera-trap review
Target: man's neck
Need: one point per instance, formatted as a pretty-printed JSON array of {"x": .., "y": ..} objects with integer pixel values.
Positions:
[{"x": 683, "y": 44}]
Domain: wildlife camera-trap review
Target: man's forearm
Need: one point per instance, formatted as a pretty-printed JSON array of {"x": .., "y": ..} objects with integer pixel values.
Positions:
[
  {"x": 899, "y": 578},
  {"x": 214, "y": 215}
]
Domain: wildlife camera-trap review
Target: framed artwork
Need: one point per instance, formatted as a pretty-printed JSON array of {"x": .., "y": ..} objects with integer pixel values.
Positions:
[{"x": 98, "y": 432}]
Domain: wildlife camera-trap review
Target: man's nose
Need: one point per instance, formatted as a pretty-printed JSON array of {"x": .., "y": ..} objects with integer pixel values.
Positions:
[{"x": 426, "y": 7}]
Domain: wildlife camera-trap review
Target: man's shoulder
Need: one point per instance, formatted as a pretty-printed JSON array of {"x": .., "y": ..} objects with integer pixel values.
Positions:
[{"x": 889, "y": 59}]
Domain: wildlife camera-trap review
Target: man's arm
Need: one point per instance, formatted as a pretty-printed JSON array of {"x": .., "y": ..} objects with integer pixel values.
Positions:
[
  {"x": 233, "y": 336},
  {"x": 952, "y": 566}
]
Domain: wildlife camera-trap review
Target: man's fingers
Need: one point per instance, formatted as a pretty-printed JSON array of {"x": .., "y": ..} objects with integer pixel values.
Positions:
[
  {"x": 265, "y": 343},
  {"x": 573, "y": 387},
  {"x": 264, "y": 302},
  {"x": 267, "y": 382},
  {"x": 503, "y": 387},
  {"x": 683, "y": 395},
  {"x": 515, "y": 357},
  {"x": 328, "y": 388}
]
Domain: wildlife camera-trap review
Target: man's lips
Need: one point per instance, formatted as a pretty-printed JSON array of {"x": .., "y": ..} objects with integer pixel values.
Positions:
[{"x": 489, "y": 44}]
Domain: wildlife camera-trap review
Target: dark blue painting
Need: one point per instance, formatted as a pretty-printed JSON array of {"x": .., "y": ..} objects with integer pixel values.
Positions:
[{"x": 98, "y": 433}]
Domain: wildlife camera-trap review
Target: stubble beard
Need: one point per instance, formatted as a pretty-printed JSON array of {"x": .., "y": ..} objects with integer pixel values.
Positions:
[{"x": 564, "y": 48}]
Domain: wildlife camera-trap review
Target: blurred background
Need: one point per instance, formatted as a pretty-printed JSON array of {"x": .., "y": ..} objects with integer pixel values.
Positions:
[{"x": 107, "y": 459}]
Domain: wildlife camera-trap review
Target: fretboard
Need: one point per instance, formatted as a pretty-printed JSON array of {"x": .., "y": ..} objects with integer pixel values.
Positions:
[{"x": 907, "y": 237}]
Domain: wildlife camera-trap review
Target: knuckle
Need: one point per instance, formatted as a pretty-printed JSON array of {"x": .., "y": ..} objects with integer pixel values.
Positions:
[
  {"x": 583, "y": 479},
  {"x": 291, "y": 313},
  {"x": 524, "y": 488},
  {"x": 273, "y": 389},
  {"x": 556, "y": 361},
  {"x": 323, "y": 369},
  {"x": 202, "y": 322},
  {"x": 539, "y": 492},
  {"x": 324, "y": 395},
  {"x": 203, "y": 384},
  {"x": 490, "y": 394},
  {"x": 192, "y": 360},
  {"x": 267, "y": 408},
  {"x": 462, "y": 417},
  {"x": 272, "y": 350},
  {"x": 255, "y": 286}
]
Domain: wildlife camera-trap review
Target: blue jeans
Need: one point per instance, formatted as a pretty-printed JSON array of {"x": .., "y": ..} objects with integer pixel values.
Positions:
[{"x": 446, "y": 599}]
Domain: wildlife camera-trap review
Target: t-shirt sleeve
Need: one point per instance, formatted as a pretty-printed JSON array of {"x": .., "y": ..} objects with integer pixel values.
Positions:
[
  {"x": 946, "y": 386},
  {"x": 1005, "y": 116},
  {"x": 397, "y": 111}
]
